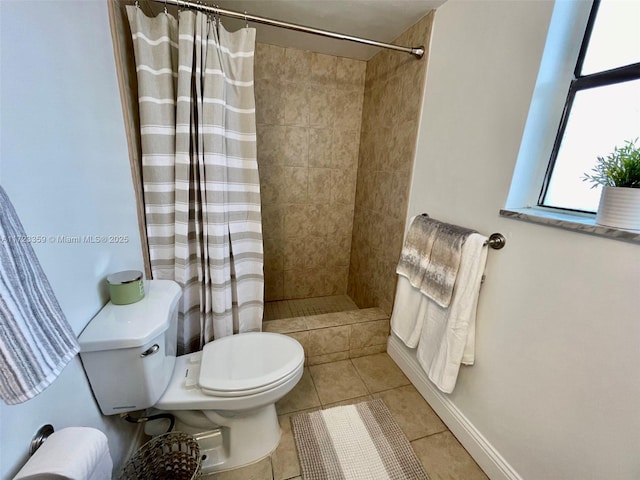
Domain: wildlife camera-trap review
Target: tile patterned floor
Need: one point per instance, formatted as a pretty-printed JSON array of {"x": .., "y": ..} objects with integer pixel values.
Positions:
[
  {"x": 307, "y": 306},
  {"x": 352, "y": 381}
]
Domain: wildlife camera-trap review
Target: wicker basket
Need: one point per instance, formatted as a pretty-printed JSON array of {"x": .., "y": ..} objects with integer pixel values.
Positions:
[{"x": 172, "y": 456}]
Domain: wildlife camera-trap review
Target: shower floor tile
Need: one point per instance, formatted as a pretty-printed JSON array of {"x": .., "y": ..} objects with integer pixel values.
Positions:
[{"x": 307, "y": 306}]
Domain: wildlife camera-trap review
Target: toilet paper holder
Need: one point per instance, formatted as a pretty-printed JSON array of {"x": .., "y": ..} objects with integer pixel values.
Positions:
[{"x": 38, "y": 439}]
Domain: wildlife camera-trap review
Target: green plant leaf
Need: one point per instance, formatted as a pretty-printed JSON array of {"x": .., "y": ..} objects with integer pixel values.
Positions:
[{"x": 621, "y": 168}]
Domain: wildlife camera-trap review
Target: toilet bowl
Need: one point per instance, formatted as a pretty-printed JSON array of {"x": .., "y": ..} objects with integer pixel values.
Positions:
[{"x": 224, "y": 395}]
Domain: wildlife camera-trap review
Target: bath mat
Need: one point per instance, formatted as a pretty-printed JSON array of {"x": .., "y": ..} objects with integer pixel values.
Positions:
[{"x": 354, "y": 442}]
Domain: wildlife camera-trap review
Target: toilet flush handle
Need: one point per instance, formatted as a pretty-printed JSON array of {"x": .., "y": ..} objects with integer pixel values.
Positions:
[{"x": 150, "y": 351}]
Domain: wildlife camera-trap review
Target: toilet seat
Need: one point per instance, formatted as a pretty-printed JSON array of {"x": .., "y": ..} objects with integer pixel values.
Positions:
[
  {"x": 245, "y": 393},
  {"x": 248, "y": 363}
]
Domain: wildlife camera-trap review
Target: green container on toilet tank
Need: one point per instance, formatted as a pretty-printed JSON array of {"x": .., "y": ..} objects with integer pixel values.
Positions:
[{"x": 125, "y": 287}]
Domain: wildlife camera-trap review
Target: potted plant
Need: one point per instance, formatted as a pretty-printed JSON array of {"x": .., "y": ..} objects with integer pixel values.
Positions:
[{"x": 619, "y": 175}]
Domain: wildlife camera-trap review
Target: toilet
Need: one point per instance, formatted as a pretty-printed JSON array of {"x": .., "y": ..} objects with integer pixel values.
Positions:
[{"x": 224, "y": 395}]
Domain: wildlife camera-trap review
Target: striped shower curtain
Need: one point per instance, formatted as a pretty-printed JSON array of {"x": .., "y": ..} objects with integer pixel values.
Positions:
[{"x": 199, "y": 170}]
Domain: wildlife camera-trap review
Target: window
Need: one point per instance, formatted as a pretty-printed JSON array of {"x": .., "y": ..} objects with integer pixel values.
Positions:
[{"x": 602, "y": 108}]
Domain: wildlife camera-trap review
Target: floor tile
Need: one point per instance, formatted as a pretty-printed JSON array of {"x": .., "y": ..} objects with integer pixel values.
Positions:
[
  {"x": 284, "y": 460},
  {"x": 256, "y": 471},
  {"x": 414, "y": 415},
  {"x": 350, "y": 401},
  {"x": 303, "y": 396},
  {"x": 443, "y": 458},
  {"x": 337, "y": 381},
  {"x": 379, "y": 372}
]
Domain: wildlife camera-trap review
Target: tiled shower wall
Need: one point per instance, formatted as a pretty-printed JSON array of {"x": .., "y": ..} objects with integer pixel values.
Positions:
[
  {"x": 392, "y": 102},
  {"x": 308, "y": 114}
]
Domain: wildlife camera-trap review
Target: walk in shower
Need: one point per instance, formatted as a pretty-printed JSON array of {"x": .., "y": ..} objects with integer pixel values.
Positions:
[
  {"x": 336, "y": 140},
  {"x": 336, "y": 145}
]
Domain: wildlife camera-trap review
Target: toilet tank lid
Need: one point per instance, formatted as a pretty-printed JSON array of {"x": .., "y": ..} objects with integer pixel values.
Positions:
[{"x": 133, "y": 325}]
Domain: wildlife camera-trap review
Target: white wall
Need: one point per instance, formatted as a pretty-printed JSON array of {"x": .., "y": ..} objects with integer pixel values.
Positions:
[
  {"x": 555, "y": 387},
  {"x": 64, "y": 164}
]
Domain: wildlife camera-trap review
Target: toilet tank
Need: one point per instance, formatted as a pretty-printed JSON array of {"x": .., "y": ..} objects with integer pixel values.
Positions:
[{"x": 129, "y": 351}]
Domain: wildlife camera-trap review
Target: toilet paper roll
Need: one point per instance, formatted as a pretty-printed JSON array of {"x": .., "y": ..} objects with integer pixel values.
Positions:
[{"x": 73, "y": 453}]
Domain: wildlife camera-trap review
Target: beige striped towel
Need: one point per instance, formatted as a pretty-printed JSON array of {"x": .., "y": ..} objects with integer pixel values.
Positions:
[{"x": 430, "y": 257}]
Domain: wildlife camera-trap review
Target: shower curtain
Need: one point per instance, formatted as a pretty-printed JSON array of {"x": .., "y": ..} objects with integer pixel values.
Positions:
[{"x": 199, "y": 170}]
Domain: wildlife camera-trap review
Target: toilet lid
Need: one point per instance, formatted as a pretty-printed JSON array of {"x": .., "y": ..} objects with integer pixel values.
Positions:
[{"x": 248, "y": 362}]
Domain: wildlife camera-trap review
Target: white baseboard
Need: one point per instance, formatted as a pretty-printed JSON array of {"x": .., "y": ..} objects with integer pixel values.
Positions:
[{"x": 489, "y": 459}]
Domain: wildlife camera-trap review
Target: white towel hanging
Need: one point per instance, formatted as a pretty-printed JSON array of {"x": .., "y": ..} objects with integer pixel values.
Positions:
[{"x": 447, "y": 338}]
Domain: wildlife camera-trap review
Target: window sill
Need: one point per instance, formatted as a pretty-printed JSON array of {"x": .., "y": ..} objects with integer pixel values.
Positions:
[{"x": 577, "y": 222}]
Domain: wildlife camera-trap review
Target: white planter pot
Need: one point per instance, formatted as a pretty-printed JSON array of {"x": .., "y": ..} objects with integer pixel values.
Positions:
[{"x": 620, "y": 208}]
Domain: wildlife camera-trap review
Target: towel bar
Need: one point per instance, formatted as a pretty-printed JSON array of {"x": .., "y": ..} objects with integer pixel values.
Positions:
[{"x": 496, "y": 241}]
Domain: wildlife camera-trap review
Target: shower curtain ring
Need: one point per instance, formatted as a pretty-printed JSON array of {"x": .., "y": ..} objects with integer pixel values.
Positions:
[
  {"x": 211, "y": 16},
  {"x": 137, "y": 4},
  {"x": 246, "y": 22},
  {"x": 166, "y": 12}
]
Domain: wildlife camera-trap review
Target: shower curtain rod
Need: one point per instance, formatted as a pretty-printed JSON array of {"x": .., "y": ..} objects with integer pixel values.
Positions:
[{"x": 417, "y": 52}]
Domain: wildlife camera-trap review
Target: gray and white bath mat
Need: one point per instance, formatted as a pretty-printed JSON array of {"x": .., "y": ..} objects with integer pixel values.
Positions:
[{"x": 354, "y": 442}]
